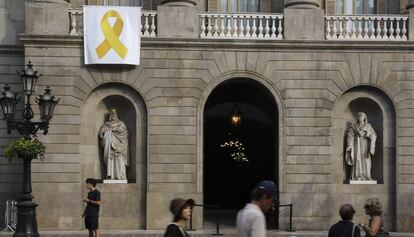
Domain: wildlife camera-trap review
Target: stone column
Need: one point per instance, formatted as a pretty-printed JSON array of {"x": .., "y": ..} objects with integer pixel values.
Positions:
[
  {"x": 304, "y": 20},
  {"x": 11, "y": 21},
  {"x": 302, "y": 4},
  {"x": 47, "y": 17},
  {"x": 410, "y": 9},
  {"x": 178, "y": 19}
]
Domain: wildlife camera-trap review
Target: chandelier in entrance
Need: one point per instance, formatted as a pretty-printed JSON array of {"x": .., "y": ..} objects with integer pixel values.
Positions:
[{"x": 237, "y": 150}]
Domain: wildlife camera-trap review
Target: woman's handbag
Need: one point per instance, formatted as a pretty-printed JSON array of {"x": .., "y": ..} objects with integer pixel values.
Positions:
[{"x": 383, "y": 233}]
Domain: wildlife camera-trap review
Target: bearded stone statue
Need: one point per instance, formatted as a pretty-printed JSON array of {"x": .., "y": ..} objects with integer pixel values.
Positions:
[
  {"x": 361, "y": 139},
  {"x": 114, "y": 141}
]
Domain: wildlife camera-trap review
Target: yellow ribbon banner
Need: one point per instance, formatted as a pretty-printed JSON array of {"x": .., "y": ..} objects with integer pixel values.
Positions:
[{"x": 112, "y": 35}]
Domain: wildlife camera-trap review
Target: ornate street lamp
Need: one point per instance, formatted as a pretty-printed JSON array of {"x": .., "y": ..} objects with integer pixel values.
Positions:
[
  {"x": 26, "y": 208},
  {"x": 8, "y": 101}
]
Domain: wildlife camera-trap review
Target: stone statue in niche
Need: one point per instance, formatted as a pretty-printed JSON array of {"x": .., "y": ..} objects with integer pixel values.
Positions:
[
  {"x": 361, "y": 139},
  {"x": 114, "y": 141}
]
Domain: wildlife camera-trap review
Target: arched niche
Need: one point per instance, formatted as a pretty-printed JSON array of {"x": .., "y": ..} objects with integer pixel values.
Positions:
[
  {"x": 123, "y": 201},
  {"x": 381, "y": 114},
  {"x": 126, "y": 113},
  {"x": 376, "y": 119}
]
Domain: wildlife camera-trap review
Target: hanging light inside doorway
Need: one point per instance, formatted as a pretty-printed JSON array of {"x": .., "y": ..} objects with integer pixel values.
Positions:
[{"x": 236, "y": 116}]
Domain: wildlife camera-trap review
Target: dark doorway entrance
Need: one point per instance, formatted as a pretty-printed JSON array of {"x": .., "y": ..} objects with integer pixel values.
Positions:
[{"x": 240, "y": 145}]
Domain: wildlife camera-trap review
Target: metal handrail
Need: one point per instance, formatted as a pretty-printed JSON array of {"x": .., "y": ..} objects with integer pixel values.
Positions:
[
  {"x": 290, "y": 216},
  {"x": 10, "y": 216},
  {"x": 217, "y": 207}
]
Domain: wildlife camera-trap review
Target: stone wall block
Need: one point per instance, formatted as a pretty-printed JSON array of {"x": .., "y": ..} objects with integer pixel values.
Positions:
[
  {"x": 304, "y": 24},
  {"x": 47, "y": 18},
  {"x": 176, "y": 21}
]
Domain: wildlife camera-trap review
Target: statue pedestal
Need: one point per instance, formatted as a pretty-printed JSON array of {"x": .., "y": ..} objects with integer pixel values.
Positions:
[
  {"x": 115, "y": 181},
  {"x": 363, "y": 182}
]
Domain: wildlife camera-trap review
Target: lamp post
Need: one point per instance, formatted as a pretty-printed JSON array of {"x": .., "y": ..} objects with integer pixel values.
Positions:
[{"x": 26, "y": 208}]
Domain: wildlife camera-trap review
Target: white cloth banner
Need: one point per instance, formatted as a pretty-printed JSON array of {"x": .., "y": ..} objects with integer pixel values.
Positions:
[{"x": 112, "y": 35}]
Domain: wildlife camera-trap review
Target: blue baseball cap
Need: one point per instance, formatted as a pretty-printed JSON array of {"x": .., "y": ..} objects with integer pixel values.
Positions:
[{"x": 268, "y": 186}]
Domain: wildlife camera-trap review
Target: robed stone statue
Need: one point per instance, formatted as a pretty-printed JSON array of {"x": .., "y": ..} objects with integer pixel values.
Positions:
[
  {"x": 114, "y": 141},
  {"x": 361, "y": 139}
]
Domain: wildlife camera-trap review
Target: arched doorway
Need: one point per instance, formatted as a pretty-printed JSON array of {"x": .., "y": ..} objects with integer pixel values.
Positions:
[{"x": 240, "y": 146}]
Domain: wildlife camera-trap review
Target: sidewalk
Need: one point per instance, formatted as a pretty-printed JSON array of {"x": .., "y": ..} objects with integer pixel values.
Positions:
[{"x": 200, "y": 233}]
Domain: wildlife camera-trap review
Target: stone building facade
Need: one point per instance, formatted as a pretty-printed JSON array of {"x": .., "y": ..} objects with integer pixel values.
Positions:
[{"x": 313, "y": 85}]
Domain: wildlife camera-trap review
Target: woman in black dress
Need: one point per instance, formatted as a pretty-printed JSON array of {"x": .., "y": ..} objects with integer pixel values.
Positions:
[{"x": 181, "y": 210}]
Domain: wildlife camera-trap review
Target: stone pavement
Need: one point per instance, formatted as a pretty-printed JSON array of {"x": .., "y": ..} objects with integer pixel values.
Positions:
[{"x": 201, "y": 233}]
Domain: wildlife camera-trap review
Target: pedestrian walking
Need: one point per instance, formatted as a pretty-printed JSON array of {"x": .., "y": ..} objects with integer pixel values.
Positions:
[
  {"x": 345, "y": 227},
  {"x": 181, "y": 210},
  {"x": 375, "y": 227},
  {"x": 91, "y": 213},
  {"x": 251, "y": 220}
]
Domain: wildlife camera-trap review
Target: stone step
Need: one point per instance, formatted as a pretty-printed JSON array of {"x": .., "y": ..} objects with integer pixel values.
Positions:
[{"x": 202, "y": 233}]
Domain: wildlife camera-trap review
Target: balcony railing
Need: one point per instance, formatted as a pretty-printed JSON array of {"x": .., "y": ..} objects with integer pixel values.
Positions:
[
  {"x": 242, "y": 26},
  {"x": 148, "y": 21},
  {"x": 271, "y": 26},
  {"x": 367, "y": 27}
]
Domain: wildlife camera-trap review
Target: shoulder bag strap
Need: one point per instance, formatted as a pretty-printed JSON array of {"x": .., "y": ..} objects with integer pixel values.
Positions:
[
  {"x": 353, "y": 230},
  {"x": 182, "y": 231}
]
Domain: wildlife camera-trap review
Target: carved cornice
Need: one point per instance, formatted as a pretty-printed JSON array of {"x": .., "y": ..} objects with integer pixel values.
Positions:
[{"x": 213, "y": 44}]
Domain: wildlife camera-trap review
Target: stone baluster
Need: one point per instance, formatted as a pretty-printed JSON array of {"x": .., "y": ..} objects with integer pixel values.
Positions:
[
  {"x": 384, "y": 28},
  {"x": 242, "y": 21},
  {"x": 216, "y": 27},
  {"x": 404, "y": 29},
  {"x": 254, "y": 27},
  {"x": 360, "y": 30},
  {"x": 353, "y": 22},
  {"x": 378, "y": 29},
  {"x": 73, "y": 25},
  {"x": 334, "y": 28},
  {"x": 385, "y": 36},
  {"x": 410, "y": 8},
  {"x": 273, "y": 28},
  {"x": 371, "y": 28},
  {"x": 146, "y": 25},
  {"x": 347, "y": 28},
  {"x": 366, "y": 30},
  {"x": 341, "y": 28},
  {"x": 267, "y": 27},
  {"x": 153, "y": 27},
  {"x": 391, "y": 31},
  {"x": 209, "y": 27},
  {"x": 328, "y": 28},
  {"x": 398, "y": 30},
  {"x": 280, "y": 28},
  {"x": 203, "y": 26},
  {"x": 248, "y": 33},
  {"x": 228, "y": 30},
  {"x": 223, "y": 26},
  {"x": 235, "y": 27},
  {"x": 261, "y": 34}
]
